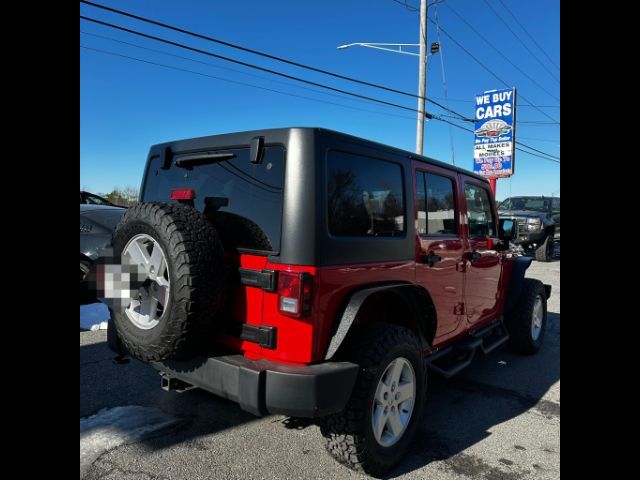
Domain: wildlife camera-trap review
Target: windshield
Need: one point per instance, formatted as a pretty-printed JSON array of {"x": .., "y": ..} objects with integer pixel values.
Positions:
[{"x": 526, "y": 203}]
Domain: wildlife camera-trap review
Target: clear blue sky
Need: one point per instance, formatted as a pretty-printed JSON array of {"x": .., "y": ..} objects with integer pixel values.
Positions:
[{"x": 126, "y": 106}]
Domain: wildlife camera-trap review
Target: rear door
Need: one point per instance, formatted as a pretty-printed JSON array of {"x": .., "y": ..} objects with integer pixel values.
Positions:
[
  {"x": 483, "y": 263},
  {"x": 439, "y": 262},
  {"x": 243, "y": 200}
]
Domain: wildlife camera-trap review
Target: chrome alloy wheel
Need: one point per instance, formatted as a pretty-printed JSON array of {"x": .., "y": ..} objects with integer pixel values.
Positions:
[
  {"x": 393, "y": 402},
  {"x": 536, "y": 318},
  {"x": 149, "y": 301}
]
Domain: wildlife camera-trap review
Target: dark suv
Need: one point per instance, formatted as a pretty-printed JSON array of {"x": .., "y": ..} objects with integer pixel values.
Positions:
[
  {"x": 538, "y": 220},
  {"x": 309, "y": 273}
]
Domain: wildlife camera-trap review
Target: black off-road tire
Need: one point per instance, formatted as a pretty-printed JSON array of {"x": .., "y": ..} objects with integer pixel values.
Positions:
[
  {"x": 194, "y": 256},
  {"x": 86, "y": 295},
  {"x": 544, "y": 253},
  {"x": 348, "y": 434},
  {"x": 519, "y": 319}
]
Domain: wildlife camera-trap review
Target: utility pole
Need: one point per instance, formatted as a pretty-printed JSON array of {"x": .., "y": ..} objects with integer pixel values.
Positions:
[
  {"x": 422, "y": 77},
  {"x": 422, "y": 70}
]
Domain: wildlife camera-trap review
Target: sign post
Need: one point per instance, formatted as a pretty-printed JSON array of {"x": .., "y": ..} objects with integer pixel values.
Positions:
[{"x": 494, "y": 142}]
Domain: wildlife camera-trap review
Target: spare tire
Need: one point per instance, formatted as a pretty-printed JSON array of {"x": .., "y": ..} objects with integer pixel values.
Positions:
[{"x": 177, "y": 280}]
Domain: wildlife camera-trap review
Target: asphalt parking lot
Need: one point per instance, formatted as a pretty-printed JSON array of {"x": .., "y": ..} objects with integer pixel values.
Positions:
[{"x": 498, "y": 420}]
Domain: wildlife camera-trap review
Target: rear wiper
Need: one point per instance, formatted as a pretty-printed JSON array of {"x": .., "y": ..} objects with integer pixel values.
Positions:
[{"x": 203, "y": 158}]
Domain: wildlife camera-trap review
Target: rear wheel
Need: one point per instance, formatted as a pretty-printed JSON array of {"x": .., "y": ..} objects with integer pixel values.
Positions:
[
  {"x": 175, "y": 261},
  {"x": 376, "y": 427}
]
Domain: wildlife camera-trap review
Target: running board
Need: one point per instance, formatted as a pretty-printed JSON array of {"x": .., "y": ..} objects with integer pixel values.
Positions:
[{"x": 451, "y": 360}]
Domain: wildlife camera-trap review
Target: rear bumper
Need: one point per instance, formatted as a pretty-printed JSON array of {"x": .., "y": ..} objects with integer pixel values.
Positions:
[
  {"x": 260, "y": 386},
  {"x": 263, "y": 387}
]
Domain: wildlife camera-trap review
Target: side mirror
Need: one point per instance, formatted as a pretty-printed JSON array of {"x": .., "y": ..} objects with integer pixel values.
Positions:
[{"x": 507, "y": 230}]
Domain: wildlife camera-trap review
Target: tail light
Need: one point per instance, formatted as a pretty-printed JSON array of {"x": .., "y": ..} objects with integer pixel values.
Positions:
[
  {"x": 294, "y": 293},
  {"x": 183, "y": 194}
]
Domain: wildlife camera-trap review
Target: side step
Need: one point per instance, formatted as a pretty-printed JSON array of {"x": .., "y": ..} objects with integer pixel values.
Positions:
[{"x": 452, "y": 359}]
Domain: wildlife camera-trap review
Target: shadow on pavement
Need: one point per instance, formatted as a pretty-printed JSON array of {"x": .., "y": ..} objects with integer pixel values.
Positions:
[
  {"x": 104, "y": 384},
  {"x": 459, "y": 412}
]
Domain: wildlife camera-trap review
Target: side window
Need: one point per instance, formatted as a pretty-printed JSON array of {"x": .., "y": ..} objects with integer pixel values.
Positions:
[
  {"x": 441, "y": 218},
  {"x": 436, "y": 204},
  {"x": 365, "y": 196},
  {"x": 555, "y": 204},
  {"x": 421, "y": 196},
  {"x": 480, "y": 215}
]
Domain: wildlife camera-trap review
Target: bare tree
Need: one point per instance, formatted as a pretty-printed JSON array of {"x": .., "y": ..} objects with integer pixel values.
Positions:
[{"x": 123, "y": 197}]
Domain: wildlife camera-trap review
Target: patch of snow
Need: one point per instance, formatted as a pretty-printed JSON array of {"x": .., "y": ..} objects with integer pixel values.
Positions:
[
  {"x": 93, "y": 316},
  {"x": 100, "y": 326},
  {"x": 112, "y": 427}
]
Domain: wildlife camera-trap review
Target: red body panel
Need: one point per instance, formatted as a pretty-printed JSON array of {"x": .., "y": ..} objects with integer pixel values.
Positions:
[
  {"x": 482, "y": 276},
  {"x": 467, "y": 293},
  {"x": 247, "y": 306}
]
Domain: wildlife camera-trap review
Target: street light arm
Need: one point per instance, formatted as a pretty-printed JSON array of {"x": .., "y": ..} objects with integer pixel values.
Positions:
[{"x": 383, "y": 46}]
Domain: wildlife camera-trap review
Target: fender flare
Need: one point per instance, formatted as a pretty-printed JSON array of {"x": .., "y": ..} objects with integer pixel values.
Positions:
[
  {"x": 348, "y": 314},
  {"x": 516, "y": 280}
]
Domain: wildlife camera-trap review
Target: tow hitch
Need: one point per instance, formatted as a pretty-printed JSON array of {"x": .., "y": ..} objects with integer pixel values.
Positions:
[{"x": 169, "y": 384}]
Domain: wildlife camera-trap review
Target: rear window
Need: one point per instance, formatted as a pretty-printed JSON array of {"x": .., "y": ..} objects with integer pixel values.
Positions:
[
  {"x": 243, "y": 200},
  {"x": 365, "y": 196}
]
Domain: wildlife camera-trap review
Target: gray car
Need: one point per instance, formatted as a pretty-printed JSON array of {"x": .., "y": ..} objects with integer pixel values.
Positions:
[{"x": 97, "y": 223}]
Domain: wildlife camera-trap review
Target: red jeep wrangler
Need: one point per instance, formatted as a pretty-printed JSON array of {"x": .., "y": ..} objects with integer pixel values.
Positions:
[{"x": 309, "y": 273}]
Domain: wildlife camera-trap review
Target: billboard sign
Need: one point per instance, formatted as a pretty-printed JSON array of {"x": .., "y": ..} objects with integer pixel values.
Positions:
[{"x": 494, "y": 142}]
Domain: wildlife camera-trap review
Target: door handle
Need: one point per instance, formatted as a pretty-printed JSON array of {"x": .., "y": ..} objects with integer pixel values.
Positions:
[
  {"x": 475, "y": 255},
  {"x": 431, "y": 258}
]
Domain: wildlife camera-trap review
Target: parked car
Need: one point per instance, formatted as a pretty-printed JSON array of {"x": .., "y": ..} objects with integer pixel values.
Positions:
[
  {"x": 538, "y": 221},
  {"x": 97, "y": 224},
  {"x": 93, "y": 199},
  {"x": 310, "y": 273}
]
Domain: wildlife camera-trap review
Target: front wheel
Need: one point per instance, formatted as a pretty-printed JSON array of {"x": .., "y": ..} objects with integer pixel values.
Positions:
[
  {"x": 376, "y": 427},
  {"x": 544, "y": 253},
  {"x": 527, "y": 321}
]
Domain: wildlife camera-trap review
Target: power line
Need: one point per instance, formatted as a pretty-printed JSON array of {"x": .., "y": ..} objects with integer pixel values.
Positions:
[
  {"x": 530, "y": 36},
  {"x": 434, "y": 116},
  {"x": 211, "y": 54},
  {"x": 490, "y": 71},
  {"x": 520, "y": 40},
  {"x": 540, "y": 139},
  {"x": 519, "y": 106},
  {"x": 526, "y": 122},
  {"x": 107, "y": 52},
  {"x": 444, "y": 84},
  {"x": 181, "y": 30},
  {"x": 499, "y": 52},
  {"x": 135, "y": 45},
  {"x": 519, "y": 145},
  {"x": 411, "y": 8},
  {"x": 524, "y": 145},
  {"x": 257, "y": 52},
  {"x": 246, "y": 64}
]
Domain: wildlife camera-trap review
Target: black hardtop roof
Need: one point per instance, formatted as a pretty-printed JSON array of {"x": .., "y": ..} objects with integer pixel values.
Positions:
[{"x": 244, "y": 137}]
